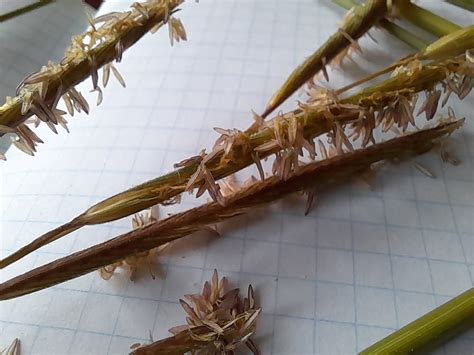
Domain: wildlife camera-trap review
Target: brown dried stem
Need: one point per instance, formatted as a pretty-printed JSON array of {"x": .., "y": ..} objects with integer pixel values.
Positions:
[
  {"x": 317, "y": 175},
  {"x": 313, "y": 122}
]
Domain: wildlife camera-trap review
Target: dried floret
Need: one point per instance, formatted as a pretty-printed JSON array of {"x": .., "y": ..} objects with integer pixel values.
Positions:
[
  {"x": 117, "y": 75},
  {"x": 431, "y": 104},
  {"x": 100, "y": 95},
  {"x": 22, "y": 145},
  {"x": 424, "y": 170},
  {"x": 106, "y": 74},
  {"x": 197, "y": 159},
  {"x": 218, "y": 320},
  {"x": 229, "y": 185},
  {"x": 144, "y": 259},
  {"x": 176, "y": 30}
]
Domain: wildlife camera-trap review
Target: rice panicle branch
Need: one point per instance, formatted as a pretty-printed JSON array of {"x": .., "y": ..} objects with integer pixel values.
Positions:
[
  {"x": 386, "y": 105},
  {"x": 317, "y": 176}
]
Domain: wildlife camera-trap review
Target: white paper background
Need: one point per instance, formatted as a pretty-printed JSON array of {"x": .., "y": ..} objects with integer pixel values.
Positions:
[{"x": 361, "y": 265}]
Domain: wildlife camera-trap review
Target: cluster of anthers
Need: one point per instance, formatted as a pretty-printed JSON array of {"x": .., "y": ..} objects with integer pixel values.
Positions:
[
  {"x": 219, "y": 320},
  {"x": 388, "y": 111},
  {"x": 349, "y": 122},
  {"x": 393, "y": 110},
  {"x": 39, "y": 93},
  {"x": 144, "y": 259},
  {"x": 234, "y": 144},
  {"x": 290, "y": 141},
  {"x": 202, "y": 177}
]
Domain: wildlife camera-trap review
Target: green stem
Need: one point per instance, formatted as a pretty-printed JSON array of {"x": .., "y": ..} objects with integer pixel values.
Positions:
[
  {"x": 431, "y": 330},
  {"x": 465, "y": 4},
  {"x": 392, "y": 28},
  {"x": 24, "y": 10},
  {"x": 403, "y": 35},
  {"x": 425, "y": 19},
  {"x": 346, "y": 4}
]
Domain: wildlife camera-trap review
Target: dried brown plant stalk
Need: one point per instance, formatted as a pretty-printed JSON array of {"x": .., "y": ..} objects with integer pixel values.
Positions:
[
  {"x": 315, "y": 176},
  {"x": 109, "y": 36},
  {"x": 218, "y": 322},
  {"x": 356, "y": 23},
  {"x": 390, "y": 103}
]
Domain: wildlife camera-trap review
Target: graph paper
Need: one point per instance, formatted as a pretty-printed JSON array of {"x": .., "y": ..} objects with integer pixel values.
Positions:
[{"x": 364, "y": 262}]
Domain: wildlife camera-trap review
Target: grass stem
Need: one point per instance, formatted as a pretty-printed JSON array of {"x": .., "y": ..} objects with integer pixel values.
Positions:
[
  {"x": 430, "y": 330},
  {"x": 465, "y": 4},
  {"x": 24, "y": 10},
  {"x": 395, "y": 30},
  {"x": 425, "y": 19}
]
